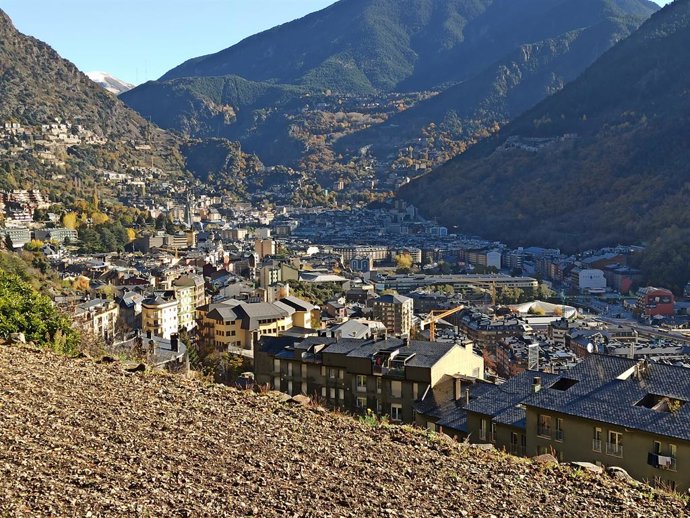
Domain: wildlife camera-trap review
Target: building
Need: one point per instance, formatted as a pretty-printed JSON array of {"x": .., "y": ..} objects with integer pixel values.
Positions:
[
  {"x": 616, "y": 412},
  {"x": 590, "y": 280},
  {"x": 264, "y": 247},
  {"x": 130, "y": 309},
  {"x": 395, "y": 312},
  {"x": 189, "y": 292},
  {"x": 98, "y": 317},
  {"x": 59, "y": 235},
  {"x": 607, "y": 410},
  {"x": 159, "y": 315},
  {"x": 233, "y": 325},
  {"x": 386, "y": 376},
  {"x": 655, "y": 301}
]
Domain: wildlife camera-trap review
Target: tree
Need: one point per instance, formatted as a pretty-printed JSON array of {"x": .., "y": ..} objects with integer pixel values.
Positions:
[
  {"x": 98, "y": 218},
  {"x": 69, "y": 220},
  {"x": 131, "y": 235},
  {"x": 8, "y": 243},
  {"x": 34, "y": 245},
  {"x": 404, "y": 261}
]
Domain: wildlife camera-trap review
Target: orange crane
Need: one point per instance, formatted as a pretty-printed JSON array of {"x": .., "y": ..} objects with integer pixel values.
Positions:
[{"x": 435, "y": 316}]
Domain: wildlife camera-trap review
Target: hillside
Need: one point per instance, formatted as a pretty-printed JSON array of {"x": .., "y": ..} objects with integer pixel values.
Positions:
[
  {"x": 620, "y": 174},
  {"x": 504, "y": 90},
  {"x": 78, "y": 438},
  {"x": 520, "y": 50},
  {"x": 38, "y": 88}
]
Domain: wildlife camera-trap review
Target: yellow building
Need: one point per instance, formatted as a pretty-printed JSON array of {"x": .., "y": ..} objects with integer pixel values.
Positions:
[{"x": 238, "y": 325}]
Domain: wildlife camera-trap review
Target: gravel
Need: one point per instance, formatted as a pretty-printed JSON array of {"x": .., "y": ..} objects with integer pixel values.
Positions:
[{"x": 84, "y": 439}]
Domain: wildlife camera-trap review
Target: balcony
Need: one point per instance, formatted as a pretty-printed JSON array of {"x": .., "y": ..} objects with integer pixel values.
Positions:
[
  {"x": 596, "y": 444},
  {"x": 613, "y": 449},
  {"x": 544, "y": 431},
  {"x": 665, "y": 462}
]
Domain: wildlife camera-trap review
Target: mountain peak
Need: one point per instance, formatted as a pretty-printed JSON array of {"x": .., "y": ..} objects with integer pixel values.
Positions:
[{"x": 110, "y": 83}]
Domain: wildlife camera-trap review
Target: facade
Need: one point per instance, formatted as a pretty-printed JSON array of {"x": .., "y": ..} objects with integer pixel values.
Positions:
[
  {"x": 386, "y": 376},
  {"x": 232, "y": 325},
  {"x": 395, "y": 312},
  {"x": 99, "y": 317},
  {"x": 159, "y": 315},
  {"x": 607, "y": 410},
  {"x": 655, "y": 301},
  {"x": 591, "y": 280},
  {"x": 189, "y": 292},
  {"x": 59, "y": 235}
]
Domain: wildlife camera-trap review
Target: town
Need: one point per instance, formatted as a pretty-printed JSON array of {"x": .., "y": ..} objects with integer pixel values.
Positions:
[{"x": 379, "y": 312}]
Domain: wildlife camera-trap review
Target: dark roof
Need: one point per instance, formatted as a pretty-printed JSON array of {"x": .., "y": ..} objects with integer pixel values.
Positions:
[
  {"x": 501, "y": 402},
  {"x": 608, "y": 391},
  {"x": 298, "y": 304}
]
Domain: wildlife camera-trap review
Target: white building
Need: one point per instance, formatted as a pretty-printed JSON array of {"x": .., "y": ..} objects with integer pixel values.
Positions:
[{"x": 591, "y": 280}]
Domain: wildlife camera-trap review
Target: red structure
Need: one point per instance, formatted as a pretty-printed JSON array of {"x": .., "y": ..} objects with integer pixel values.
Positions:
[{"x": 655, "y": 301}]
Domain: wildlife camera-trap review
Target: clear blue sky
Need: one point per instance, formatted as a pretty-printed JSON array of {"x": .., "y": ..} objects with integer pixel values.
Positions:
[{"x": 138, "y": 40}]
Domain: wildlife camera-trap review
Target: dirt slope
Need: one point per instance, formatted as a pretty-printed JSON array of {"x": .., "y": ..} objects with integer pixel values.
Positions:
[{"x": 81, "y": 439}]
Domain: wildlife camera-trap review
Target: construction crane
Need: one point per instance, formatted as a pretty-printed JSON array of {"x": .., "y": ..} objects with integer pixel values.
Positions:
[{"x": 435, "y": 316}]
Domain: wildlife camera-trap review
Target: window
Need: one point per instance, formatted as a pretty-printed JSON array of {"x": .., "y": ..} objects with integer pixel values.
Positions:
[
  {"x": 361, "y": 402},
  {"x": 482, "y": 430},
  {"x": 361, "y": 383},
  {"x": 396, "y": 388},
  {"x": 544, "y": 426},
  {"x": 341, "y": 373},
  {"x": 332, "y": 373},
  {"x": 415, "y": 391},
  {"x": 493, "y": 432},
  {"x": 323, "y": 392},
  {"x": 341, "y": 394},
  {"x": 304, "y": 370},
  {"x": 559, "y": 429},
  {"x": 657, "y": 447},
  {"x": 276, "y": 382},
  {"x": 289, "y": 369},
  {"x": 378, "y": 385},
  {"x": 396, "y": 412},
  {"x": 614, "y": 446},
  {"x": 332, "y": 393},
  {"x": 596, "y": 440}
]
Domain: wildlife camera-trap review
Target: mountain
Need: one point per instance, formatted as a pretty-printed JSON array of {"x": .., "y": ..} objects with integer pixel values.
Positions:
[
  {"x": 38, "y": 87},
  {"x": 603, "y": 161},
  {"x": 504, "y": 90},
  {"x": 370, "y": 48},
  {"x": 112, "y": 84},
  {"x": 82, "y": 437}
]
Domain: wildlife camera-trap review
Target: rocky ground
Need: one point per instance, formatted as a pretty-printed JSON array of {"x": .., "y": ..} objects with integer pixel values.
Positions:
[{"x": 84, "y": 439}]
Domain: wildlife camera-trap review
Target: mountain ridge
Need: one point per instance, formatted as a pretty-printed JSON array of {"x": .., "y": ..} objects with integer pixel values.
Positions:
[{"x": 628, "y": 156}]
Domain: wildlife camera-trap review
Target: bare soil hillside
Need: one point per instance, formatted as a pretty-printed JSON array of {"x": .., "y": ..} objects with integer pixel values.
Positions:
[{"x": 79, "y": 438}]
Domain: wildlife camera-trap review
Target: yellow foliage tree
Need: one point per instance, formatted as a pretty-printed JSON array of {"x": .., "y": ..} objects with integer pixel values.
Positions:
[
  {"x": 131, "y": 234},
  {"x": 69, "y": 220},
  {"x": 99, "y": 218},
  {"x": 81, "y": 284},
  {"x": 403, "y": 261}
]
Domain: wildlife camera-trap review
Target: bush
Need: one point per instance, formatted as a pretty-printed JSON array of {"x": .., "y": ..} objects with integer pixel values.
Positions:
[{"x": 24, "y": 310}]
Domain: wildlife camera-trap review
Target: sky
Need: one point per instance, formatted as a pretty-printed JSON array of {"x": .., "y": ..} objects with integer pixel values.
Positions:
[{"x": 140, "y": 40}]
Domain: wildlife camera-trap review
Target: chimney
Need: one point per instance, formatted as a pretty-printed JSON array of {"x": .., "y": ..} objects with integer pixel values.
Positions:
[
  {"x": 458, "y": 389},
  {"x": 174, "y": 342},
  {"x": 536, "y": 384}
]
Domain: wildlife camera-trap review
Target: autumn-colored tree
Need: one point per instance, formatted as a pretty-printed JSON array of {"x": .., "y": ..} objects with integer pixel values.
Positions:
[
  {"x": 81, "y": 284},
  {"x": 131, "y": 234},
  {"x": 404, "y": 261},
  {"x": 69, "y": 220},
  {"x": 99, "y": 218}
]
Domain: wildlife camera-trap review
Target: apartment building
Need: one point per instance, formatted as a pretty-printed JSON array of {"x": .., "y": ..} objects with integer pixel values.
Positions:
[
  {"x": 98, "y": 316},
  {"x": 395, "y": 312},
  {"x": 239, "y": 325},
  {"x": 386, "y": 376},
  {"x": 607, "y": 410},
  {"x": 190, "y": 294},
  {"x": 159, "y": 315}
]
